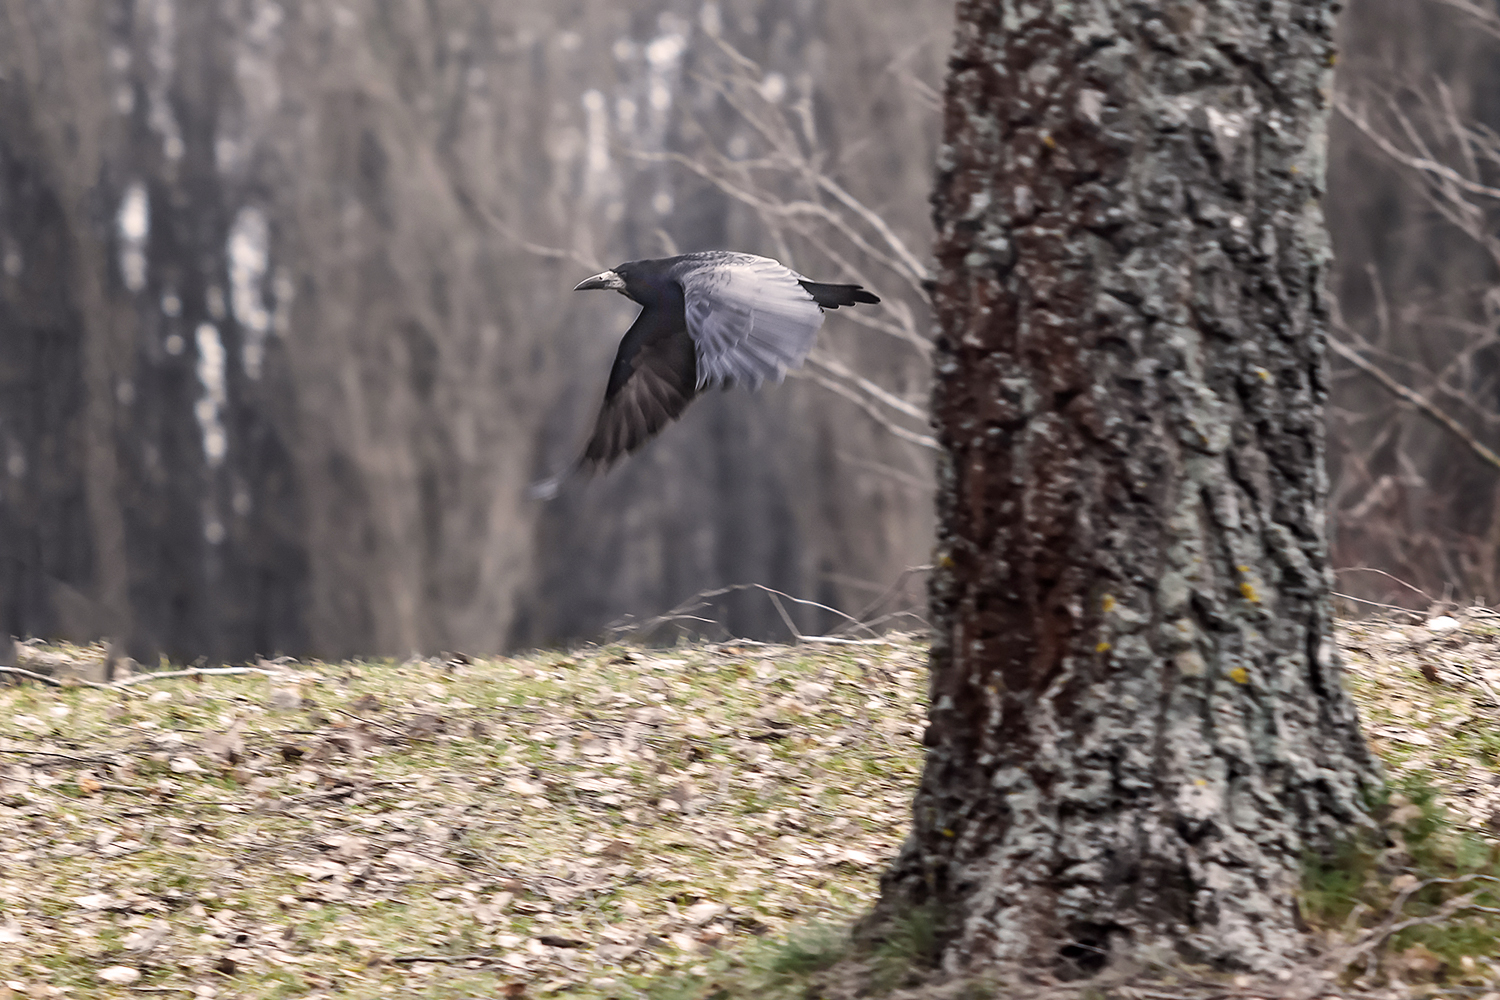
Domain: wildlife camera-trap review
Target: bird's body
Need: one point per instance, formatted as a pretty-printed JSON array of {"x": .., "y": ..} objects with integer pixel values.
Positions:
[{"x": 707, "y": 319}]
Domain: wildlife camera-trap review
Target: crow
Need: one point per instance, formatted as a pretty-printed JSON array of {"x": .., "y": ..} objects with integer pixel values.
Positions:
[{"x": 707, "y": 319}]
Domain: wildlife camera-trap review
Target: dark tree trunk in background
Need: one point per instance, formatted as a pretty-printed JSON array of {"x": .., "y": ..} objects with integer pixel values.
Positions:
[
  {"x": 1137, "y": 727},
  {"x": 277, "y": 362}
]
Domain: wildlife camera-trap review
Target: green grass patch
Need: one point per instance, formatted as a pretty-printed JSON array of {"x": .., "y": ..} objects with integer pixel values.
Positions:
[{"x": 1419, "y": 902}]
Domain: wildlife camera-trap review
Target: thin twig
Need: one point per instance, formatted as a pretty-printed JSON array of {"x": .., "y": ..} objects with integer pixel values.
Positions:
[
  {"x": 890, "y": 399},
  {"x": 1390, "y": 576},
  {"x": 166, "y": 675},
  {"x": 890, "y": 472},
  {"x": 864, "y": 403},
  {"x": 1377, "y": 604},
  {"x": 785, "y": 618},
  {"x": 699, "y": 600},
  {"x": 56, "y": 682},
  {"x": 86, "y": 761},
  {"x": 1420, "y": 402},
  {"x": 371, "y": 722},
  {"x": 134, "y": 790}
]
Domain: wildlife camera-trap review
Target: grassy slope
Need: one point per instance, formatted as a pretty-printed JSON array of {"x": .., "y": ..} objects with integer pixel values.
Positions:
[
  {"x": 584, "y": 821},
  {"x": 590, "y": 824}
]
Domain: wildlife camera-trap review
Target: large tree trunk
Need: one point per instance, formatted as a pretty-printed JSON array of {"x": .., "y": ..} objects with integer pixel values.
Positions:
[{"x": 1137, "y": 724}]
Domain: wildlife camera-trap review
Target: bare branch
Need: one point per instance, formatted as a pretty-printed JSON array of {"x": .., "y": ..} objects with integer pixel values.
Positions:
[
  {"x": 1420, "y": 402},
  {"x": 876, "y": 392},
  {"x": 863, "y": 402}
]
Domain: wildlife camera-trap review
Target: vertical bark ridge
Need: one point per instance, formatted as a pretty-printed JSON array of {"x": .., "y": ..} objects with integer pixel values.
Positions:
[{"x": 1137, "y": 724}]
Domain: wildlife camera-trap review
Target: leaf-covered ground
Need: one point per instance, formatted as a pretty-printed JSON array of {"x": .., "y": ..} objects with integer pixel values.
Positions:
[
  {"x": 1429, "y": 698},
  {"x": 579, "y": 824}
]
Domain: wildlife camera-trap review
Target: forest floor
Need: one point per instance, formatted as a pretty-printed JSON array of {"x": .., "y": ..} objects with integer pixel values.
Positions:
[{"x": 610, "y": 822}]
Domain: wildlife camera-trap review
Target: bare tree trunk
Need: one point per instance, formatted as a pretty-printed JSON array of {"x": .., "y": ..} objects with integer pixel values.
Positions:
[{"x": 1137, "y": 725}]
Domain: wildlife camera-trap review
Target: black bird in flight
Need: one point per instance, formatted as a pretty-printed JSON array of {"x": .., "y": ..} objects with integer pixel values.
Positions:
[{"x": 707, "y": 319}]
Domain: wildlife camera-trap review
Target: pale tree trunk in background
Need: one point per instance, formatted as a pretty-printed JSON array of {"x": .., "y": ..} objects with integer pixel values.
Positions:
[
  {"x": 1137, "y": 728},
  {"x": 278, "y": 359}
]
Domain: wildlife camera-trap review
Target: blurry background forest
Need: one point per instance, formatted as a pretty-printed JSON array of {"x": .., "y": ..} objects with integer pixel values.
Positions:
[{"x": 286, "y": 325}]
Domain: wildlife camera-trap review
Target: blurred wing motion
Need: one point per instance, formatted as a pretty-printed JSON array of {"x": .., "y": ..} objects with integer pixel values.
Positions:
[
  {"x": 652, "y": 382},
  {"x": 750, "y": 318}
]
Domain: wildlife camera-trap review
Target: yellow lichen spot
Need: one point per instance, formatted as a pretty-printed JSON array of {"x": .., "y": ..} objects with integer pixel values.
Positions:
[
  {"x": 1294, "y": 169},
  {"x": 1049, "y": 142},
  {"x": 1108, "y": 603},
  {"x": 1103, "y": 647},
  {"x": 1265, "y": 376},
  {"x": 948, "y": 832},
  {"x": 1240, "y": 675},
  {"x": 945, "y": 561},
  {"x": 1242, "y": 568},
  {"x": 1201, "y": 782},
  {"x": 1247, "y": 591}
]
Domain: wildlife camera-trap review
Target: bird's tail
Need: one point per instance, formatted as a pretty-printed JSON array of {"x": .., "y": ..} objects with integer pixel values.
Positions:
[{"x": 833, "y": 296}]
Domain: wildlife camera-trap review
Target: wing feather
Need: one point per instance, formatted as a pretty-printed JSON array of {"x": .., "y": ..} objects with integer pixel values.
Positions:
[
  {"x": 657, "y": 387},
  {"x": 750, "y": 318}
]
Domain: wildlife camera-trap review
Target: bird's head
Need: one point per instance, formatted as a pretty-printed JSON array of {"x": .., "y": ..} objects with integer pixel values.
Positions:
[{"x": 604, "y": 279}]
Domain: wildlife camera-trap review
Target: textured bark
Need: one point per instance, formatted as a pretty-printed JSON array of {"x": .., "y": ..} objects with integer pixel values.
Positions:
[{"x": 1137, "y": 724}]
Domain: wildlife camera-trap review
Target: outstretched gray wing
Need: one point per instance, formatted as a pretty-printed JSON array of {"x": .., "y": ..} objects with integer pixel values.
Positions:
[{"x": 749, "y": 318}]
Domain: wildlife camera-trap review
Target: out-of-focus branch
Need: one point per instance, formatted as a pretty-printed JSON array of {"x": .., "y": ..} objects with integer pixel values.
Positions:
[
  {"x": 863, "y": 402},
  {"x": 895, "y": 402},
  {"x": 889, "y": 472},
  {"x": 586, "y": 260},
  {"x": 1484, "y": 18},
  {"x": 1420, "y": 402}
]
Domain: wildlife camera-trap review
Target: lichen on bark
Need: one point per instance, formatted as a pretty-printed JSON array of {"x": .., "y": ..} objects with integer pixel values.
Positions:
[{"x": 1138, "y": 729}]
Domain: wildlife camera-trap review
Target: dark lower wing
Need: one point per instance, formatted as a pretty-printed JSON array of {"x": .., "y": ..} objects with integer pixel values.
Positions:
[
  {"x": 833, "y": 296},
  {"x": 653, "y": 379},
  {"x": 663, "y": 383}
]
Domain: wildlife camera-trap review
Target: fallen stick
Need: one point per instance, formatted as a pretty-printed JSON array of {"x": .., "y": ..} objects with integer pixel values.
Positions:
[
  {"x": 54, "y": 681},
  {"x": 165, "y": 675}
]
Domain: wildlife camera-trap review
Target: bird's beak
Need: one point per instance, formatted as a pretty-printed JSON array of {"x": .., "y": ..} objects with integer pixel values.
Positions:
[{"x": 607, "y": 279}]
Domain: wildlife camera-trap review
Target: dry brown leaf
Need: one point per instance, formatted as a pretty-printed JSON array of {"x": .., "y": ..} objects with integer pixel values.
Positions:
[
  {"x": 425, "y": 726},
  {"x": 702, "y": 913},
  {"x": 524, "y": 788},
  {"x": 148, "y": 938},
  {"x": 1419, "y": 962},
  {"x": 366, "y": 703},
  {"x": 229, "y": 745},
  {"x": 683, "y": 793},
  {"x": 684, "y": 942}
]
